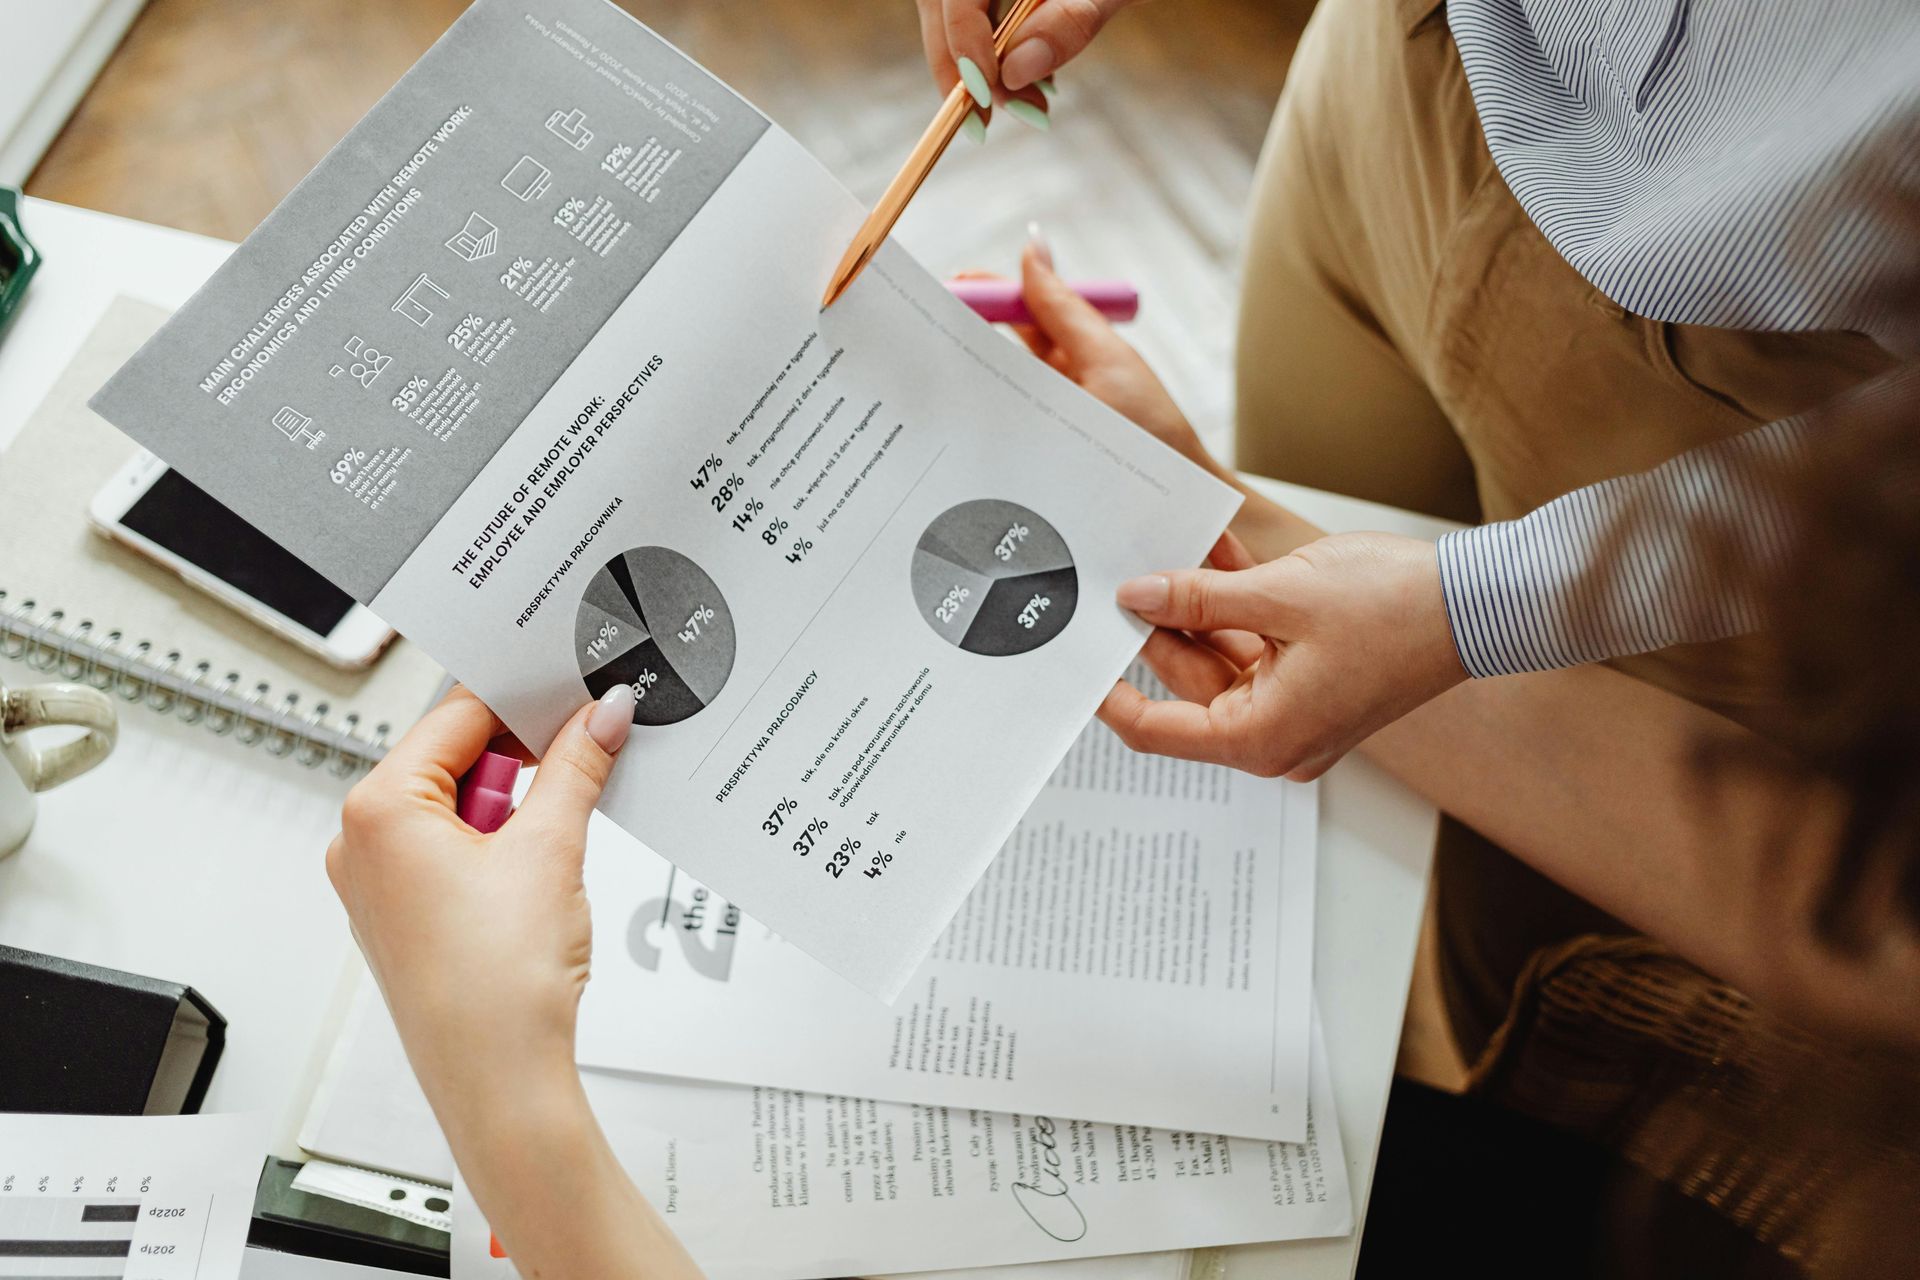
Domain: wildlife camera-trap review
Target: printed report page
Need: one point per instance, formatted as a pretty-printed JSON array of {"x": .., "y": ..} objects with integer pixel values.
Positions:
[
  {"x": 1141, "y": 951},
  {"x": 772, "y": 1184},
  {"x": 534, "y": 365}
]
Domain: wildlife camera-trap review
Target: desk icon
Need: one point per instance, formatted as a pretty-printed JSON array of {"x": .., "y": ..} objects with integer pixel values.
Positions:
[
  {"x": 528, "y": 179},
  {"x": 571, "y": 128},
  {"x": 409, "y": 304}
]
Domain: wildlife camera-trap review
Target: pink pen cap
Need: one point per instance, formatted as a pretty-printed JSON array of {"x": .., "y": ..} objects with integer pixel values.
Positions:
[
  {"x": 1001, "y": 302},
  {"x": 486, "y": 793}
]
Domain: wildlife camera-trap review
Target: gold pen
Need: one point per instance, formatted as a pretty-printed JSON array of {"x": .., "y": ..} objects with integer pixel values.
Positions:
[{"x": 893, "y": 202}]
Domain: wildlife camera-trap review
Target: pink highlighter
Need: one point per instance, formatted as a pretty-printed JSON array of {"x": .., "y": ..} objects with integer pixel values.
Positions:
[
  {"x": 1001, "y": 302},
  {"x": 485, "y": 802},
  {"x": 486, "y": 793}
]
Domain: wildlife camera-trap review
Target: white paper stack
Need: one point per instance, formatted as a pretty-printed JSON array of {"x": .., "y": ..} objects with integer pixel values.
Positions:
[
  {"x": 1098, "y": 1059},
  {"x": 1140, "y": 952}
]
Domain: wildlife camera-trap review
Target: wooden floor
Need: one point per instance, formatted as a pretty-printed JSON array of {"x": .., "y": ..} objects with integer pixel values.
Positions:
[{"x": 213, "y": 109}]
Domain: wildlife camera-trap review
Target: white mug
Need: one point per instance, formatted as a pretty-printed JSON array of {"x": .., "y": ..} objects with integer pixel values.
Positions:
[{"x": 25, "y": 771}]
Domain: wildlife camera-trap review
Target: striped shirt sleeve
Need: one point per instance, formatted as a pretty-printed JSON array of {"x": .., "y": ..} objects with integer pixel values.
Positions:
[{"x": 1625, "y": 566}]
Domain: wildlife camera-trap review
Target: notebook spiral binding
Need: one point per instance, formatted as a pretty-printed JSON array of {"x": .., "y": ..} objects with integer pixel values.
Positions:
[{"x": 140, "y": 673}]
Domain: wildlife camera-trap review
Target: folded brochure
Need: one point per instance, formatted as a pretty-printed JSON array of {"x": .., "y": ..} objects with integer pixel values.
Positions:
[{"x": 533, "y": 364}]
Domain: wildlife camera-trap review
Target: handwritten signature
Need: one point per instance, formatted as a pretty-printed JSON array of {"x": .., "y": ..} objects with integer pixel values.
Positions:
[{"x": 1047, "y": 1202}]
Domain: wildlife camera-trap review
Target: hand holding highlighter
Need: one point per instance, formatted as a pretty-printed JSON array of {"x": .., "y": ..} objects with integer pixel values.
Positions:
[{"x": 1001, "y": 302}]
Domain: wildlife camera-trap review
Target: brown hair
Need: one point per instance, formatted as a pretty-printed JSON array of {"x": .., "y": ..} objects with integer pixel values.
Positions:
[{"x": 1844, "y": 640}]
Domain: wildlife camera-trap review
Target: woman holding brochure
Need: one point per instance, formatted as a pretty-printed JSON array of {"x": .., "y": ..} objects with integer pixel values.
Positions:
[
  {"x": 1796, "y": 876},
  {"x": 1396, "y": 243}
]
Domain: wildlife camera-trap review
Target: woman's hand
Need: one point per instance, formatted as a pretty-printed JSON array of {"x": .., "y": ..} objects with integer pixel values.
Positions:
[
  {"x": 1051, "y": 37},
  {"x": 1069, "y": 334},
  {"x": 481, "y": 945},
  {"x": 480, "y": 942},
  {"x": 1297, "y": 660},
  {"x": 1284, "y": 667}
]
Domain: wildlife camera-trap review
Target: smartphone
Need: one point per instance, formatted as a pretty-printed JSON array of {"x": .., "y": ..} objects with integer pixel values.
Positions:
[{"x": 166, "y": 517}]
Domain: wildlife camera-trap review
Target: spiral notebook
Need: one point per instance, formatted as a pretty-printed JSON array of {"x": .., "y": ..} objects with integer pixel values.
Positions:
[{"x": 77, "y": 606}]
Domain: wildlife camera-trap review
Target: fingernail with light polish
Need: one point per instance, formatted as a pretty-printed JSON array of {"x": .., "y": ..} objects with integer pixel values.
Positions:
[
  {"x": 612, "y": 718},
  {"x": 1031, "y": 60},
  {"x": 974, "y": 127},
  {"x": 1048, "y": 87},
  {"x": 1041, "y": 248},
  {"x": 976, "y": 81},
  {"x": 1144, "y": 595},
  {"x": 1029, "y": 115}
]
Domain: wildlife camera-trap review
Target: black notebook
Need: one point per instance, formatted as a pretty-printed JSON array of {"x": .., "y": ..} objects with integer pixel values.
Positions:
[{"x": 80, "y": 1039}]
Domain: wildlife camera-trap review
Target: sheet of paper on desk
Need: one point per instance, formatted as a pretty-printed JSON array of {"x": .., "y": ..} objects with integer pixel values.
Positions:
[
  {"x": 1171, "y": 1265},
  {"x": 533, "y": 364},
  {"x": 264, "y": 1264},
  {"x": 159, "y": 1197},
  {"x": 769, "y": 1184},
  {"x": 1141, "y": 951},
  {"x": 370, "y": 1111},
  {"x": 261, "y": 1264}
]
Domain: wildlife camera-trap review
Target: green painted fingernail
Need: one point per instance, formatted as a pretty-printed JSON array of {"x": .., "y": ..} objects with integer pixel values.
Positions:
[
  {"x": 976, "y": 81},
  {"x": 974, "y": 127},
  {"x": 1028, "y": 114},
  {"x": 1047, "y": 87}
]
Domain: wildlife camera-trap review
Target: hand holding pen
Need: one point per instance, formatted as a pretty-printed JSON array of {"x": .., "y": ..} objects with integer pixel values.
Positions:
[
  {"x": 958, "y": 35},
  {"x": 966, "y": 95},
  {"x": 1033, "y": 47}
]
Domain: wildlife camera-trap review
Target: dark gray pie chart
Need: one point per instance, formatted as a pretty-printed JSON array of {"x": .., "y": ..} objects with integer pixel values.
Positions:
[
  {"x": 993, "y": 578},
  {"x": 653, "y": 619}
]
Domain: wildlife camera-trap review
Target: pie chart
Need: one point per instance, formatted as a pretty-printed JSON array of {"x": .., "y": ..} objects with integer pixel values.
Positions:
[
  {"x": 653, "y": 619},
  {"x": 991, "y": 577}
]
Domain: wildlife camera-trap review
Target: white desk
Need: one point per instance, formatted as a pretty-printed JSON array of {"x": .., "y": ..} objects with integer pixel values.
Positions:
[
  {"x": 172, "y": 885},
  {"x": 1376, "y": 842}
]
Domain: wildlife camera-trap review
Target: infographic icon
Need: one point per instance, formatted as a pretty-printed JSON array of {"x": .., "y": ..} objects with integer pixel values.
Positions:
[
  {"x": 993, "y": 578},
  {"x": 653, "y": 619}
]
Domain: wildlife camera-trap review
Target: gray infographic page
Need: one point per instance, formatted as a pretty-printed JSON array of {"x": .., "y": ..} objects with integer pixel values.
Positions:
[
  {"x": 534, "y": 365},
  {"x": 397, "y": 317}
]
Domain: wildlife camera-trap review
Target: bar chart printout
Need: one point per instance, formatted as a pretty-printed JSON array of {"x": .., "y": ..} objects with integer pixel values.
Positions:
[
  {"x": 71, "y": 1235},
  {"x": 126, "y": 1197}
]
